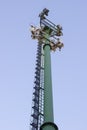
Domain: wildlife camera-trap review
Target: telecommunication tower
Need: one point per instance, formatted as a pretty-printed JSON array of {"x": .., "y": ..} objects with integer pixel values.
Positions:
[{"x": 47, "y": 34}]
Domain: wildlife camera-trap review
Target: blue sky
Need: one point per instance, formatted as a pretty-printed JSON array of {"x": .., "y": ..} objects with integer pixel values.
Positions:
[{"x": 17, "y": 63}]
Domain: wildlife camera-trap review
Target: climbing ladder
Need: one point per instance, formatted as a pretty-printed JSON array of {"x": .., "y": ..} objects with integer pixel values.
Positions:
[{"x": 37, "y": 115}]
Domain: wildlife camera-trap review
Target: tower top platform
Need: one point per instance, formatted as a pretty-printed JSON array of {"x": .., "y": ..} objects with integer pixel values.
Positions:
[{"x": 47, "y": 31}]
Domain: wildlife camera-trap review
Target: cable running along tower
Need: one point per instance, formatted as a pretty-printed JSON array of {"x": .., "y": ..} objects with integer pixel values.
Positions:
[{"x": 47, "y": 34}]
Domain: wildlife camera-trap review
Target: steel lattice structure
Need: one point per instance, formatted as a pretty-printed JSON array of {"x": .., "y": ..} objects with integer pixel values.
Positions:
[{"x": 42, "y": 104}]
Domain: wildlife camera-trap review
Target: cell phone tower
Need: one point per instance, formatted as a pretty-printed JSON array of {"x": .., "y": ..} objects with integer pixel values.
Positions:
[{"x": 47, "y": 34}]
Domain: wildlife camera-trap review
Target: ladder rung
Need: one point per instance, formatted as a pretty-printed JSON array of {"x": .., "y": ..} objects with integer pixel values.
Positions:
[
  {"x": 34, "y": 116},
  {"x": 34, "y": 125},
  {"x": 36, "y": 108}
]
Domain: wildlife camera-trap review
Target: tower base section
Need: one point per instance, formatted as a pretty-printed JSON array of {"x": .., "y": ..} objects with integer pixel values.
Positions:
[{"x": 48, "y": 126}]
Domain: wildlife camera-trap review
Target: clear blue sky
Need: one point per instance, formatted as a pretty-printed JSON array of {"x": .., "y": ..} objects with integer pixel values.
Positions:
[{"x": 17, "y": 63}]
